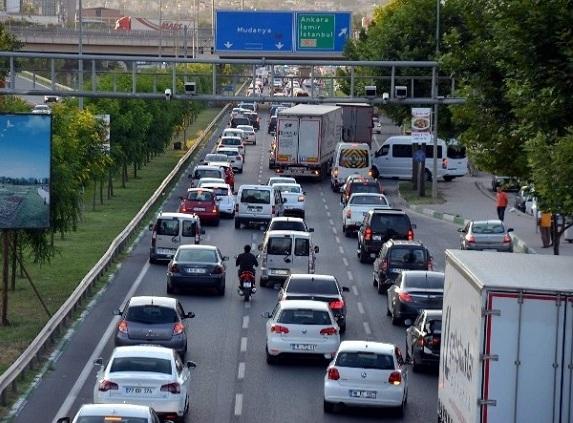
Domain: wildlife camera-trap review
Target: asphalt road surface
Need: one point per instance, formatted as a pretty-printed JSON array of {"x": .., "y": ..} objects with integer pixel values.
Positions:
[{"x": 232, "y": 381}]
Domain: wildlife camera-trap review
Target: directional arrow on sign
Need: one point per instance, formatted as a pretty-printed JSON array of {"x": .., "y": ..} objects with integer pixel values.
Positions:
[
  {"x": 228, "y": 44},
  {"x": 279, "y": 45},
  {"x": 342, "y": 32}
]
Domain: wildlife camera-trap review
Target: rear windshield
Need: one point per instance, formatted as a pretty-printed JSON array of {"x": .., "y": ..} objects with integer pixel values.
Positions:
[
  {"x": 409, "y": 256},
  {"x": 115, "y": 419},
  {"x": 377, "y": 200},
  {"x": 307, "y": 286},
  {"x": 189, "y": 228},
  {"x": 301, "y": 247},
  {"x": 231, "y": 141},
  {"x": 151, "y": 314},
  {"x": 487, "y": 228},
  {"x": 353, "y": 158},
  {"x": 230, "y": 153},
  {"x": 220, "y": 192},
  {"x": 256, "y": 196},
  {"x": 200, "y": 196},
  {"x": 424, "y": 282},
  {"x": 288, "y": 188},
  {"x": 241, "y": 121},
  {"x": 141, "y": 364},
  {"x": 287, "y": 226},
  {"x": 434, "y": 326},
  {"x": 456, "y": 152},
  {"x": 169, "y": 227},
  {"x": 365, "y": 360},
  {"x": 197, "y": 256},
  {"x": 207, "y": 173},
  {"x": 372, "y": 187},
  {"x": 304, "y": 317},
  {"x": 247, "y": 106},
  {"x": 279, "y": 246},
  {"x": 219, "y": 157},
  {"x": 390, "y": 223}
]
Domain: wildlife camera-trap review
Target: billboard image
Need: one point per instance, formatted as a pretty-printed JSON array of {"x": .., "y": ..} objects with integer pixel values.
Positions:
[{"x": 25, "y": 160}]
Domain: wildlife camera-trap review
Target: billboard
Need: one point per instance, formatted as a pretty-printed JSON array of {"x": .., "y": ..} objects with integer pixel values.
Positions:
[{"x": 25, "y": 169}]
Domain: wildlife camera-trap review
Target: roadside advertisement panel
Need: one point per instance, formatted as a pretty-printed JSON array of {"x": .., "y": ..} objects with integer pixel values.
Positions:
[{"x": 422, "y": 125}]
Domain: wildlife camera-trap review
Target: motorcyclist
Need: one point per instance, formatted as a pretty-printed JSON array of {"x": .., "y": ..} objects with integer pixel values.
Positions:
[{"x": 246, "y": 262}]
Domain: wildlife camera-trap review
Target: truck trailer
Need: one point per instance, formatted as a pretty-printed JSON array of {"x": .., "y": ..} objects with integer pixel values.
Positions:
[
  {"x": 507, "y": 339},
  {"x": 306, "y": 138},
  {"x": 357, "y": 122}
]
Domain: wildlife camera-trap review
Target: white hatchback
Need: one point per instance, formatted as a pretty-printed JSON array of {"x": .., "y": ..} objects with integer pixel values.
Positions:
[
  {"x": 301, "y": 327},
  {"x": 280, "y": 180},
  {"x": 234, "y": 157},
  {"x": 366, "y": 374},
  {"x": 294, "y": 196},
  {"x": 237, "y": 142},
  {"x": 145, "y": 375},
  {"x": 224, "y": 196},
  {"x": 251, "y": 136}
]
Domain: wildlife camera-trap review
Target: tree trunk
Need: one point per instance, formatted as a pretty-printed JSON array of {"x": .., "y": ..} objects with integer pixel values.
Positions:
[
  {"x": 135, "y": 169},
  {"x": 14, "y": 261},
  {"x": 110, "y": 184},
  {"x": 101, "y": 182},
  {"x": 123, "y": 181},
  {"x": 94, "y": 196},
  {"x": 5, "y": 276},
  {"x": 556, "y": 237}
]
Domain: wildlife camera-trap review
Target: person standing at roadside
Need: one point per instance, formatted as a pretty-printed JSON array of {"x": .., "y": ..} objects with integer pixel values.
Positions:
[
  {"x": 501, "y": 203},
  {"x": 545, "y": 228}
]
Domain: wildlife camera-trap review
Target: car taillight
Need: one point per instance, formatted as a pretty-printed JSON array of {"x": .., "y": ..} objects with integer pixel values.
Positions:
[
  {"x": 444, "y": 163},
  {"x": 506, "y": 238},
  {"x": 368, "y": 233},
  {"x": 336, "y": 305},
  {"x": 395, "y": 378},
  {"x": 333, "y": 373},
  {"x": 218, "y": 270},
  {"x": 470, "y": 239},
  {"x": 300, "y": 198},
  {"x": 178, "y": 328},
  {"x": 348, "y": 214},
  {"x": 122, "y": 326},
  {"x": 410, "y": 234},
  {"x": 215, "y": 210},
  {"x": 173, "y": 388},
  {"x": 404, "y": 297},
  {"x": 328, "y": 331},
  {"x": 107, "y": 385},
  {"x": 279, "y": 329},
  {"x": 173, "y": 268}
]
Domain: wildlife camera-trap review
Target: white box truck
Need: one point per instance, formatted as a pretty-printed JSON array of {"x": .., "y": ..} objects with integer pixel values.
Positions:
[
  {"x": 507, "y": 339},
  {"x": 306, "y": 139}
]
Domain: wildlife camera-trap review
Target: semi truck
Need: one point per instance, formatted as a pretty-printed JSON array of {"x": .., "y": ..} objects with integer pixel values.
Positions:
[
  {"x": 306, "y": 139},
  {"x": 507, "y": 339},
  {"x": 357, "y": 122}
]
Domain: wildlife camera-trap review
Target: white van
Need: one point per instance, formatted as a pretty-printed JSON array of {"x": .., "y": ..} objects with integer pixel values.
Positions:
[
  {"x": 257, "y": 204},
  {"x": 205, "y": 171},
  {"x": 286, "y": 252},
  {"x": 349, "y": 159},
  {"x": 172, "y": 230},
  {"x": 394, "y": 159},
  {"x": 457, "y": 160}
]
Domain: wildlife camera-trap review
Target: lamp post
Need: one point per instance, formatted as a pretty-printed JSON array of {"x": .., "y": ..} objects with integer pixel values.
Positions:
[
  {"x": 81, "y": 62},
  {"x": 435, "y": 76}
]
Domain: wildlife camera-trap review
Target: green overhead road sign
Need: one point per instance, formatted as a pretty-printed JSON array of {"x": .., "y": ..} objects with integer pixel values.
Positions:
[{"x": 315, "y": 31}]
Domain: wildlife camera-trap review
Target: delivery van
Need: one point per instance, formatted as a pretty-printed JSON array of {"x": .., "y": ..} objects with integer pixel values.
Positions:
[
  {"x": 349, "y": 159},
  {"x": 171, "y": 230}
]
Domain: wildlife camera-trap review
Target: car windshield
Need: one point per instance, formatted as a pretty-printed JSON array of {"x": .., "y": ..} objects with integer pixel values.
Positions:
[
  {"x": 245, "y": 128},
  {"x": 230, "y": 153},
  {"x": 151, "y": 314},
  {"x": 308, "y": 286},
  {"x": 115, "y": 419},
  {"x": 288, "y": 188},
  {"x": 219, "y": 191},
  {"x": 231, "y": 141},
  {"x": 487, "y": 228},
  {"x": 219, "y": 157},
  {"x": 365, "y": 187},
  {"x": 256, "y": 196},
  {"x": 424, "y": 281},
  {"x": 169, "y": 227},
  {"x": 365, "y": 360},
  {"x": 304, "y": 317},
  {"x": 287, "y": 226},
  {"x": 405, "y": 255},
  {"x": 279, "y": 246},
  {"x": 141, "y": 364},
  {"x": 196, "y": 255},
  {"x": 200, "y": 196},
  {"x": 207, "y": 173},
  {"x": 376, "y": 200},
  {"x": 391, "y": 223}
]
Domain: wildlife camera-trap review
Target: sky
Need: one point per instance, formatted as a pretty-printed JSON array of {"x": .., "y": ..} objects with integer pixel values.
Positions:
[{"x": 25, "y": 142}]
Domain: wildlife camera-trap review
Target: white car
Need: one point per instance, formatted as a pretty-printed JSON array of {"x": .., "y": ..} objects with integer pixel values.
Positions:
[
  {"x": 215, "y": 157},
  {"x": 204, "y": 181},
  {"x": 145, "y": 375},
  {"x": 301, "y": 327},
  {"x": 234, "y": 132},
  {"x": 42, "y": 109},
  {"x": 224, "y": 196},
  {"x": 234, "y": 157},
  {"x": 251, "y": 137},
  {"x": 366, "y": 374},
  {"x": 236, "y": 142},
  {"x": 113, "y": 413},
  {"x": 358, "y": 205},
  {"x": 238, "y": 111},
  {"x": 294, "y": 196},
  {"x": 280, "y": 180}
]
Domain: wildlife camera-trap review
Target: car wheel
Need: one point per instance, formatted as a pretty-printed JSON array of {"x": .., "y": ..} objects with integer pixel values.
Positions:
[
  {"x": 395, "y": 319},
  {"x": 328, "y": 407},
  {"x": 237, "y": 223},
  {"x": 270, "y": 358},
  {"x": 448, "y": 178},
  {"x": 428, "y": 175},
  {"x": 171, "y": 289},
  {"x": 416, "y": 368},
  {"x": 221, "y": 289},
  {"x": 263, "y": 283},
  {"x": 381, "y": 288},
  {"x": 342, "y": 328},
  {"x": 400, "y": 410},
  {"x": 152, "y": 260},
  {"x": 363, "y": 255}
]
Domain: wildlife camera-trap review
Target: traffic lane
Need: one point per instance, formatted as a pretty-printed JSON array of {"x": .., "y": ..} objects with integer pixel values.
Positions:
[{"x": 26, "y": 83}]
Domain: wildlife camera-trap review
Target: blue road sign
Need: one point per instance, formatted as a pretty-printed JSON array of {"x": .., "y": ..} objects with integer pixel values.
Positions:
[
  {"x": 322, "y": 31},
  {"x": 253, "y": 31},
  {"x": 420, "y": 154}
]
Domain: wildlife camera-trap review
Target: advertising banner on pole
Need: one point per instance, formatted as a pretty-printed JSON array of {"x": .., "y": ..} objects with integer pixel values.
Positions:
[{"x": 422, "y": 125}]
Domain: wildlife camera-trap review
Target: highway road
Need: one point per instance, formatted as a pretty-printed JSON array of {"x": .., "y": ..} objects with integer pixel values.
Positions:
[{"x": 232, "y": 381}]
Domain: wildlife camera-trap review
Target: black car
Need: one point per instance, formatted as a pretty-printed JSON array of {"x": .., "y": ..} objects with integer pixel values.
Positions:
[
  {"x": 240, "y": 120},
  {"x": 254, "y": 119},
  {"x": 272, "y": 125},
  {"x": 423, "y": 339},
  {"x": 153, "y": 320},
  {"x": 414, "y": 291},
  {"x": 380, "y": 225},
  {"x": 317, "y": 288},
  {"x": 396, "y": 256},
  {"x": 508, "y": 183}
]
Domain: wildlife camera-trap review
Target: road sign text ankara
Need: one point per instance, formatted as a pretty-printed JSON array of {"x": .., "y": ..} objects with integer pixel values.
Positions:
[{"x": 315, "y": 31}]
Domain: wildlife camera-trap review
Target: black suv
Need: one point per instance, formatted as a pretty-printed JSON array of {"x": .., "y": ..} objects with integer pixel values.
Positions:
[
  {"x": 380, "y": 225},
  {"x": 396, "y": 256},
  {"x": 240, "y": 120}
]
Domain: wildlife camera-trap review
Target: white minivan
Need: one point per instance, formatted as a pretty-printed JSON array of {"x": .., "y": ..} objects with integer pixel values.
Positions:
[
  {"x": 394, "y": 159},
  {"x": 257, "y": 204},
  {"x": 286, "y": 252},
  {"x": 349, "y": 159},
  {"x": 172, "y": 230}
]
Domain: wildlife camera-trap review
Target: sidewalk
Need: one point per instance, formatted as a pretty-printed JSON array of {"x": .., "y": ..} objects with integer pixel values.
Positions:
[{"x": 470, "y": 198}]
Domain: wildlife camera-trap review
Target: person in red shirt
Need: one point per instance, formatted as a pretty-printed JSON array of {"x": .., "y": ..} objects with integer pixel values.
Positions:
[{"x": 501, "y": 203}]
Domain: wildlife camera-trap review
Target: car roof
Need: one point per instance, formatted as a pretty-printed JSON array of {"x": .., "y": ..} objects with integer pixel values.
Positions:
[
  {"x": 283, "y": 232},
  {"x": 232, "y": 137},
  {"x": 197, "y": 247},
  {"x": 487, "y": 222},
  {"x": 229, "y": 148},
  {"x": 232, "y": 130},
  {"x": 308, "y": 304},
  {"x": 405, "y": 243},
  {"x": 287, "y": 219},
  {"x": 254, "y": 186},
  {"x": 311, "y": 276},
  {"x": 154, "y": 351},
  {"x": 171, "y": 215},
  {"x": 198, "y": 189},
  {"x": 386, "y": 211},
  {"x": 422, "y": 274},
  {"x": 219, "y": 164},
  {"x": 152, "y": 300},
  {"x": 361, "y": 346},
  {"x": 246, "y": 127},
  {"x": 206, "y": 167},
  {"x": 123, "y": 410},
  {"x": 211, "y": 185},
  {"x": 289, "y": 184}
]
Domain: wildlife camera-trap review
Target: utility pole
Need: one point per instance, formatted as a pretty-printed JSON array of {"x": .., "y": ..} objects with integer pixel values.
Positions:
[
  {"x": 160, "y": 26},
  {"x": 435, "y": 78},
  {"x": 80, "y": 62}
]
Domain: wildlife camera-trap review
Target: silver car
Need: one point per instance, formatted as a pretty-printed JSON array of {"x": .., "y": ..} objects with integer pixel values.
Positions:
[{"x": 486, "y": 235}]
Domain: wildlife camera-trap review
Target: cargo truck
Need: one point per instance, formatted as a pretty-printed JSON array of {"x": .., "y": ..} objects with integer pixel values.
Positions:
[
  {"x": 357, "y": 122},
  {"x": 306, "y": 139},
  {"x": 507, "y": 339}
]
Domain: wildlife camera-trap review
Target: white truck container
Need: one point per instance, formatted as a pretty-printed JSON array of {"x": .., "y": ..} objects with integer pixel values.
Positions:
[
  {"x": 357, "y": 122},
  {"x": 507, "y": 339},
  {"x": 306, "y": 139}
]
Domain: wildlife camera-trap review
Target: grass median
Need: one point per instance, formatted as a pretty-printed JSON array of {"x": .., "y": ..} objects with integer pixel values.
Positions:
[
  {"x": 79, "y": 251},
  {"x": 411, "y": 196}
]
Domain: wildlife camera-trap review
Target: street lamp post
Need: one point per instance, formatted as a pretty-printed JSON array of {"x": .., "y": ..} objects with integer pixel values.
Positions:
[
  {"x": 435, "y": 78},
  {"x": 81, "y": 62}
]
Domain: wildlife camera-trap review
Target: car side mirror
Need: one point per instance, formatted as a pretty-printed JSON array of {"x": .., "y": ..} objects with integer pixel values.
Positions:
[
  {"x": 509, "y": 229},
  {"x": 98, "y": 362},
  {"x": 345, "y": 289},
  {"x": 202, "y": 231},
  {"x": 191, "y": 364},
  {"x": 190, "y": 315},
  {"x": 117, "y": 312},
  {"x": 310, "y": 229},
  {"x": 64, "y": 420},
  {"x": 316, "y": 249}
]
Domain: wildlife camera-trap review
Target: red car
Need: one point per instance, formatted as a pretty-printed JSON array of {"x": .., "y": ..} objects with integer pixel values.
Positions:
[
  {"x": 203, "y": 203},
  {"x": 229, "y": 174}
]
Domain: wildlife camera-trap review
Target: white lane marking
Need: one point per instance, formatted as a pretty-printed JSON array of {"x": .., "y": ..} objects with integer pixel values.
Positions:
[
  {"x": 238, "y": 404},
  {"x": 331, "y": 222},
  {"x": 326, "y": 207},
  {"x": 244, "y": 344},
  {"x": 247, "y": 304},
  {"x": 64, "y": 410},
  {"x": 341, "y": 249},
  {"x": 360, "y": 307},
  {"x": 345, "y": 261},
  {"x": 328, "y": 213},
  {"x": 334, "y": 230},
  {"x": 321, "y": 193},
  {"x": 337, "y": 239},
  {"x": 245, "y": 322},
  {"x": 324, "y": 200},
  {"x": 367, "y": 328},
  {"x": 355, "y": 290},
  {"x": 241, "y": 371},
  {"x": 350, "y": 276}
]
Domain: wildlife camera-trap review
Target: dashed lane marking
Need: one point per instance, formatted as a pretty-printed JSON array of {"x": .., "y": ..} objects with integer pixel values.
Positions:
[
  {"x": 367, "y": 328},
  {"x": 331, "y": 222},
  {"x": 247, "y": 304},
  {"x": 328, "y": 213},
  {"x": 345, "y": 261},
  {"x": 245, "y": 322},
  {"x": 241, "y": 371},
  {"x": 334, "y": 230},
  {"x": 360, "y": 307},
  {"x": 340, "y": 249},
  {"x": 238, "y": 404},
  {"x": 326, "y": 208},
  {"x": 337, "y": 239},
  {"x": 244, "y": 344},
  {"x": 354, "y": 290},
  {"x": 350, "y": 276}
]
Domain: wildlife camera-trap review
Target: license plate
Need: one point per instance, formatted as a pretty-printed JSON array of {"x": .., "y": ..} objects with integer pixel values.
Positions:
[
  {"x": 195, "y": 270},
  {"x": 254, "y": 209},
  {"x": 199, "y": 209},
  {"x": 362, "y": 394},
  {"x": 246, "y": 284},
  {"x": 279, "y": 272},
  {"x": 146, "y": 390},
  {"x": 297, "y": 169},
  {"x": 303, "y": 347},
  {"x": 165, "y": 251},
  {"x": 377, "y": 237}
]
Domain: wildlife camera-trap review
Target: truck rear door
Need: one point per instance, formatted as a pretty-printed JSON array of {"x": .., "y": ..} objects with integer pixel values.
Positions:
[
  {"x": 309, "y": 141},
  {"x": 287, "y": 140}
]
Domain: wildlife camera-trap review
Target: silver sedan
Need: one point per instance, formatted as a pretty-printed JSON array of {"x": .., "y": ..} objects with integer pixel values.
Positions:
[{"x": 486, "y": 235}]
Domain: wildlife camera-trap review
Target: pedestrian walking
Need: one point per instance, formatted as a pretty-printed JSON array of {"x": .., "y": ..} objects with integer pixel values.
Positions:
[
  {"x": 545, "y": 219},
  {"x": 501, "y": 203}
]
